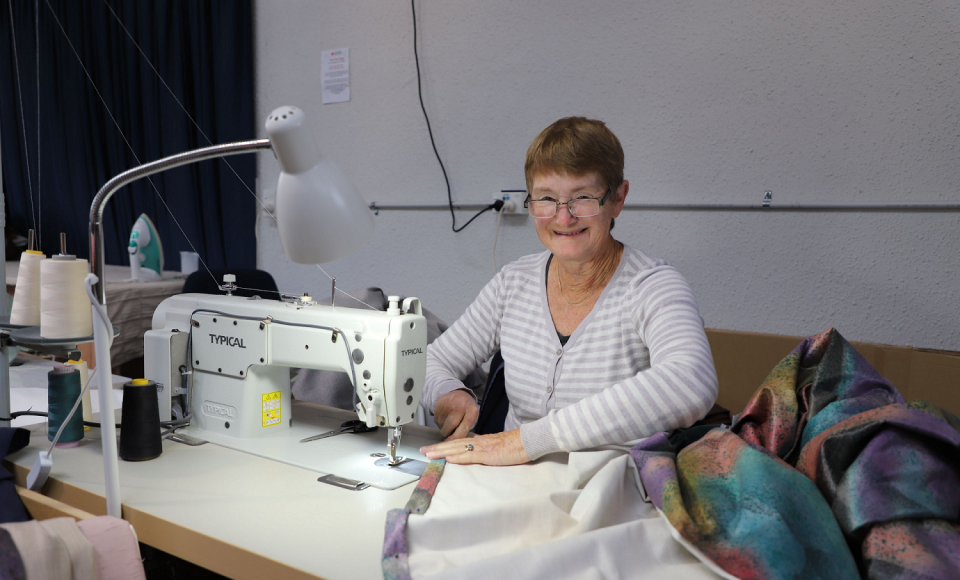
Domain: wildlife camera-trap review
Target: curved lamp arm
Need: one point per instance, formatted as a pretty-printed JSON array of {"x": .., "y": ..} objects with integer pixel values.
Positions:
[
  {"x": 131, "y": 175},
  {"x": 111, "y": 469},
  {"x": 320, "y": 216}
]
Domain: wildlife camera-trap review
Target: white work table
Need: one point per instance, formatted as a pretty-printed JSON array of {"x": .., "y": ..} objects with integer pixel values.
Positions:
[{"x": 237, "y": 514}]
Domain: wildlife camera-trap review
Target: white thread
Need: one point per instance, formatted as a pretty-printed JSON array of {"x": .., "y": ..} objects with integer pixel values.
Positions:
[
  {"x": 344, "y": 292},
  {"x": 26, "y": 158},
  {"x": 26, "y": 298},
  {"x": 64, "y": 306},
  {"x": 36, "y": 36},
  {"x": 81, "y": 365}
]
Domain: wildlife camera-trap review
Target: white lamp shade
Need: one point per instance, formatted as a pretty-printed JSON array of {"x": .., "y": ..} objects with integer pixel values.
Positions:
[{"x": 319, "y": 214}]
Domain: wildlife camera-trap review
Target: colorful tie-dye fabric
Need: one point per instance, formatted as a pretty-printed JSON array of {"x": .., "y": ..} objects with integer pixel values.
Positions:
[
  {"x": 394, "y": 559},
  {"x": 744, "y": 508},
  {"x": 827, "y": 473}
]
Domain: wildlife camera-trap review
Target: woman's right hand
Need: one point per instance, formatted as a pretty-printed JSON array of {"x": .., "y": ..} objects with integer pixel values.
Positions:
[{"x": 455, "y": 414}]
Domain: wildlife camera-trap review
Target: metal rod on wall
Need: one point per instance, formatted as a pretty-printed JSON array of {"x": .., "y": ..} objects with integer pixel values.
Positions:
[
  {"x": 377, "y": 207},
  {"x": 720, "y": 207},
  {"x": 811, "y": 207}
]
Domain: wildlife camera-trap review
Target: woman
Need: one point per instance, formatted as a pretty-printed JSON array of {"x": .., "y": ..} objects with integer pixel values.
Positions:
[{"x": 602, "y": 345}]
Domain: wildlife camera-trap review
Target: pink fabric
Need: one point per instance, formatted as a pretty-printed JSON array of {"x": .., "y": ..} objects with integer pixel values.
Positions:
[{"x": 118, "y": 555}]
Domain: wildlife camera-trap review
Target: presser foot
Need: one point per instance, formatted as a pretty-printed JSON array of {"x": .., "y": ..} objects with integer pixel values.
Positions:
[
  {"x": 393, "y": 441},
  {"x": 406, "y": 465},
  {"x": 392, "y": 461}
]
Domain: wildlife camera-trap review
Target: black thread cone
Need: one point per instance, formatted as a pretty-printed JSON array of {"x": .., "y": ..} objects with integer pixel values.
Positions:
[{"x": 140, "y": 423}]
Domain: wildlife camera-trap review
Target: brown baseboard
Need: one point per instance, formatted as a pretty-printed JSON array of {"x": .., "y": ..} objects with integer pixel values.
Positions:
[{"x": 743, "y": 360}]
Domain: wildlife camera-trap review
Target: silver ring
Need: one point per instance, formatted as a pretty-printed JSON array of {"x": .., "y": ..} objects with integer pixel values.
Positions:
[{"x": 469, "y": 447}]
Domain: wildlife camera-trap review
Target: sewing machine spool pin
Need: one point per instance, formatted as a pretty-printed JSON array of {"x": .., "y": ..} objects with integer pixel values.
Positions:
[{"x": 229, "y": 284}]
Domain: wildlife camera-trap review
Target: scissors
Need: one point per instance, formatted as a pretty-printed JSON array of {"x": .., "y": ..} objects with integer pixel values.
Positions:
[{"x": 354, "y": 426}]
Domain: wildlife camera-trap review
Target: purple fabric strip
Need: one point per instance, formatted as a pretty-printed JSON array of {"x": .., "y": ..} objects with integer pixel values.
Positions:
[{"x": 394, "y": 560}]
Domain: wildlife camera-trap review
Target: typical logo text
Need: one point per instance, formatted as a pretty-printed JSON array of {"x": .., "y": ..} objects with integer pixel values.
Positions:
[
  {"x": 227, "y": 340},
  {"x": 211, "y": 409}
]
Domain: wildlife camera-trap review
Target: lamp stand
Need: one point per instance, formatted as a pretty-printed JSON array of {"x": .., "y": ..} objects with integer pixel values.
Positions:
[{"x": 102, "y": 334}]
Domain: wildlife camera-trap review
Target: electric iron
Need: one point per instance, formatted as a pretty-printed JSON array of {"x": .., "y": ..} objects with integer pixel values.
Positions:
[{"x": 146, "y": 251}]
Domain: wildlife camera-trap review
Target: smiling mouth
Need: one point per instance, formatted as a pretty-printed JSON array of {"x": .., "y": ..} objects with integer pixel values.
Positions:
[{"x": 570, "y": 233}]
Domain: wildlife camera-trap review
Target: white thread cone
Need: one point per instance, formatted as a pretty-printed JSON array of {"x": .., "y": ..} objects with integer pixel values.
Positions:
[
  {"x": 26, "y": 298},
  {"x": 64, "y": 306}
]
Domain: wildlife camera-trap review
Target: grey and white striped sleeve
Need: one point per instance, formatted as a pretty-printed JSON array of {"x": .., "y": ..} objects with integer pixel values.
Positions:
[
  {"x": 466, "y": 345},
  {"x": 676, "y": 390}
]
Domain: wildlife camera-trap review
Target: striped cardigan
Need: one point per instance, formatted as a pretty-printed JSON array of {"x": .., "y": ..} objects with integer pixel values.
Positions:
[{"x": 638, "y": 364}]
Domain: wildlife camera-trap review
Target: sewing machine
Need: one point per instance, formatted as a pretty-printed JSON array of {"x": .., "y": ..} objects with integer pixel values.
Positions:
[{"x": 228, "y": 359}]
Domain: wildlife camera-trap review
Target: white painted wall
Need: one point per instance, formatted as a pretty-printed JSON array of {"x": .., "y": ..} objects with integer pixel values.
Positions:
[{"x": 818, "y": 101}]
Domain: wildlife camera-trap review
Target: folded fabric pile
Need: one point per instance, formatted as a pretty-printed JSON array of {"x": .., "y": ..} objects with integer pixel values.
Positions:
[
  {"x": 101, "y": 548},
  {"x": 827, "y": 473}
]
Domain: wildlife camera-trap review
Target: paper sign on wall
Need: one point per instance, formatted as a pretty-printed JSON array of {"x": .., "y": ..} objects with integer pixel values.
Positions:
[{"x": 335, "y": 75}]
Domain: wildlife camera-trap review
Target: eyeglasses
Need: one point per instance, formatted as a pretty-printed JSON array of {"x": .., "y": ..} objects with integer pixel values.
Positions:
[{"x": 581, "y": 207}]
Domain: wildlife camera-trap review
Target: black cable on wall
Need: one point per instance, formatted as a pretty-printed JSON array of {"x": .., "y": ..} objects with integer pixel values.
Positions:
[{"x": 496, "y": 205}]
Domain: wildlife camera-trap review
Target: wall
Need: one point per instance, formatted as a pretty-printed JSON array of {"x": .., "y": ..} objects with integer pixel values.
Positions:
[{"x": 817, "y": 101}]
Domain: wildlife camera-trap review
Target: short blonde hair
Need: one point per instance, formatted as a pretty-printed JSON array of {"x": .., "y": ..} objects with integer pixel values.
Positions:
[{"x": 576, "y": 146}]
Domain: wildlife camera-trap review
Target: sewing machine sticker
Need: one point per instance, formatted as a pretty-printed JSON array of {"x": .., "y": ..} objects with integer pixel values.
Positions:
[{"x": 270, "y": 406}]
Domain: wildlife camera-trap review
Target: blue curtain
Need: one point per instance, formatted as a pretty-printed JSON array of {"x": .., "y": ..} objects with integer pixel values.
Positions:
[{"x": 202, "y": 50}]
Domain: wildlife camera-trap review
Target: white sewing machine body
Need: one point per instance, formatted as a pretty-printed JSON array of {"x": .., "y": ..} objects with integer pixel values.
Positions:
[{"x": 241, "y": 351}]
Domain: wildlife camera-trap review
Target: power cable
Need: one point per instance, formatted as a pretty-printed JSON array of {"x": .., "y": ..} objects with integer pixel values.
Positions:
[{"x": 433, "y": 143}]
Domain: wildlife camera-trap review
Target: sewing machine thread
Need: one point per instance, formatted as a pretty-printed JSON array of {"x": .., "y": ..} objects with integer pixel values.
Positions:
[{"x": 63, "y": 388}]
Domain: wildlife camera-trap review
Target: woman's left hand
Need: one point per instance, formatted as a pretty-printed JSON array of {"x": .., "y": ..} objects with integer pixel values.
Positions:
[{"x": 504, "y": 448}]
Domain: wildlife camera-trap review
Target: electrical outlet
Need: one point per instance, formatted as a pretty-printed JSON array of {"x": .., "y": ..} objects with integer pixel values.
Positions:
[{"x": 512, "y": 200}]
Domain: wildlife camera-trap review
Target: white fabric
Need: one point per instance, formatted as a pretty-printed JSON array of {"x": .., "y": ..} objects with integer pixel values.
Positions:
[{"x": 578, "y": 516}]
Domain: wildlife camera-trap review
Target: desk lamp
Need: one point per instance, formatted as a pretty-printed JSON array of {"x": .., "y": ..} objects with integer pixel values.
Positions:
[{"x": 320, "y": 217}]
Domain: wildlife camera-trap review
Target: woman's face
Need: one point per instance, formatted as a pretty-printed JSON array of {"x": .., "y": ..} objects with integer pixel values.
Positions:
[{"x": 570, "y": 238}]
